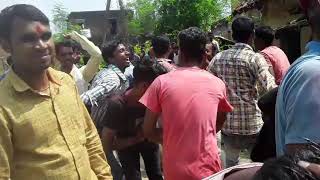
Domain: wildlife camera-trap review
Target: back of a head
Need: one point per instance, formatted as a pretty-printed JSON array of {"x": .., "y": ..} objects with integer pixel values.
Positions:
[
  {"x": 160, "y": 45},
  {"x": 192, "y": 43},
  {"x": 287, "y": 168},
  {"x": 147, "y": 71},
  {"x": 23, "y": 11},
  {"x": 242, "y": 29},
  {"x": 108, "y": 49},
  {"x": 265, "y": 33}
]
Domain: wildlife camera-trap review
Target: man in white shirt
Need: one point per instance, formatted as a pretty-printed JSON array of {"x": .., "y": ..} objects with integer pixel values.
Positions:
[{"x": 65, "y": 55}]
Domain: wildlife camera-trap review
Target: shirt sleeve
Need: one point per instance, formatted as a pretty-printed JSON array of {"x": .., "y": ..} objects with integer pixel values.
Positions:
[
  {"x": 92, "y": 66},
  {"x": 113, "y": 116},
  {"x": 103, "y": 89},
  {"x": 262, "y": 72},
  {"x": 210, "y": 67},
  {"x": 97, "y": 158},
  {"x": 224, "y": 105},
  {"x": 303, "y": 108},
  {"x": 6, "y": 147},
  {"x": 151, "y": 98}
]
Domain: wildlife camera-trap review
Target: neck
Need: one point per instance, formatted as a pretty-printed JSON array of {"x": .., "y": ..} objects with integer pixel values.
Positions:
[
  {"x": 36, "y": 80},
  {"x": 189, "y": 64},
  {"x": 316, "y": 37},
  {"x": 66, "y": 69},
  {"x": 133, "y": 97},
  {"x": 122, "y": 69},
  {"x": 163, "y": 57}
]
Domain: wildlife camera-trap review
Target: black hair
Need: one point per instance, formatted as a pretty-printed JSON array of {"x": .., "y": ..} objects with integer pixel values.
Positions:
[
  {"x": 287, "y": 168},
  {"x": 147, "y": 71},
  {"x": 266, "y": 33},
  {"x": 108, "y": 49},
  {"x": 64, "y": 43},
  {"x": 160, "y": 44},
  {"x": 23, "y": 11},
  {"x": 242, "y": 29},
  {"x": 192, "y": 43}
]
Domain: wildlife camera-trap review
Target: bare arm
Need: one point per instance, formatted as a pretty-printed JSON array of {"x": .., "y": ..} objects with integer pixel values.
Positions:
[
  {"x": 150, "y": 129},
  {"x": 221, "y": 118},
  {"x": 111, "y": 142}
]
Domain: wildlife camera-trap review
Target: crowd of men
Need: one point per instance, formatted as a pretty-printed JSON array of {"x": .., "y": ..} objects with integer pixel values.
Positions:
[{"x": 65, "y": 122}]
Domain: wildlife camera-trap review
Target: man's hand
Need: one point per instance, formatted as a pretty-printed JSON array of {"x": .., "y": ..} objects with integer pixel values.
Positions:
[{"x": 314, "y": 168}]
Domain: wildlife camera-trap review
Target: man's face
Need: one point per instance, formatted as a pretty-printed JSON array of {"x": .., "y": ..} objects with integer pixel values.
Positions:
[
  {"x": 121, "y": 57},
  {"x": 30, "y": 45},
  {"x": 65, "y": 57},
  {"x": 209, "y": 51}
]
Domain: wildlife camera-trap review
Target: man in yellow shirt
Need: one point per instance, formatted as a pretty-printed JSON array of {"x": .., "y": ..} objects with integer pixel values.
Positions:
[{"x": 45, "y": 130}]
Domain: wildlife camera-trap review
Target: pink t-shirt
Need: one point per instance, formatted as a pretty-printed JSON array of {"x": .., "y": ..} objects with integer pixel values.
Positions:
[
  {"x": 188, "y": 100},
  {"x": 279, "y": 61}
]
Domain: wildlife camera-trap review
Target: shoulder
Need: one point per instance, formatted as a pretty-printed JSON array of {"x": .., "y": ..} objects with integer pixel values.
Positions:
[
  {"x": 223, "y": 54},
  {"x": 115, "y": 107},
  {"x": 64, "y": 78},
  {"x": 106, "y": 75},
  {"x": 306, "y": 65}
]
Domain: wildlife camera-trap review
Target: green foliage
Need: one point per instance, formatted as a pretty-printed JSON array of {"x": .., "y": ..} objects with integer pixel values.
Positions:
[
  {"x": 175, "y": 15},
  {"x": 143, "y": 20},
  {"x": 60, "y": 21},
  {"x": 138, "y": 49}
]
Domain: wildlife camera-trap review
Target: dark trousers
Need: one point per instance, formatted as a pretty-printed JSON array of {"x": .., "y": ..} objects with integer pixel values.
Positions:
[{"x": 130, "y": 161}]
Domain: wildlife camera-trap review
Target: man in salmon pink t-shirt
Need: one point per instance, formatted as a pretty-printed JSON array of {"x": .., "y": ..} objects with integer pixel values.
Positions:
[{"x": 193, "y": 105}]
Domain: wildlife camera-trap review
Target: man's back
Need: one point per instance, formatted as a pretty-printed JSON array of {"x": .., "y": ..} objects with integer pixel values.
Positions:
[
  {"x": 297, "y": 108},
  {"x": 242, "y": 70},
  {"x": 189, "y": 99}
]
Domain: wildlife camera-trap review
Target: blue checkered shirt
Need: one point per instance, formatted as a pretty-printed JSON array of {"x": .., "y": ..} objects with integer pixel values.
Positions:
[{"x": 107, "y": 82}]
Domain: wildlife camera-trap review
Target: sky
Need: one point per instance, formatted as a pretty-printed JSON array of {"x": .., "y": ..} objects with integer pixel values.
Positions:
[{"x": 71, "y": 5}]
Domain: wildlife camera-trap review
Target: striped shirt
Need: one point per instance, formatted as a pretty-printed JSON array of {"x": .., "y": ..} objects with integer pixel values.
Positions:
[
  {"x": 107, "y": 82},
  {"x": 242, "y": 70}
]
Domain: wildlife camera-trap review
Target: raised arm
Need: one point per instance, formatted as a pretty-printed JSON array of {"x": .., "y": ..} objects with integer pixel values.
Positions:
[{"x": 92, "y": 67}]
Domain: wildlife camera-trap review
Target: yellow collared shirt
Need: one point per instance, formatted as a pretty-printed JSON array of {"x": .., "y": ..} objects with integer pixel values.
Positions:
[{"x": 48, "y": 137}]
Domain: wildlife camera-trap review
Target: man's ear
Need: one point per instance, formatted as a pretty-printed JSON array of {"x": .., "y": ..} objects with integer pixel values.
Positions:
[{"x": 5, "y": 45}]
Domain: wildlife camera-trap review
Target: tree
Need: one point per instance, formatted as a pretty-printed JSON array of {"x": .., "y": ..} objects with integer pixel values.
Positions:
[
  {"x": 61, "y": 24},
  {"x": 60, "y": 17},
  {"x": 143, "y": 20},
  {"x": 175, "y": 15}
]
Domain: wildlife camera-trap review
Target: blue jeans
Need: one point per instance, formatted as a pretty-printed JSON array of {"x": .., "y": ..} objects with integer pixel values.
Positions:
[{"x": 232, "y": 145}]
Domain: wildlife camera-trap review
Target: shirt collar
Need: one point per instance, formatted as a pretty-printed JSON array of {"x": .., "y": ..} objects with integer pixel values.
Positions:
[
  {"x": 242, "y": 46},
  {"x": 313, "y": 46},
  {"x": 21, "y": 86},
  {"x": 117, "y": 71}
]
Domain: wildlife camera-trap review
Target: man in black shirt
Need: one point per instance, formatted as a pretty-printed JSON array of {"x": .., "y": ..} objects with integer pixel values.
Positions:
[{"x": 121, "y": 126}]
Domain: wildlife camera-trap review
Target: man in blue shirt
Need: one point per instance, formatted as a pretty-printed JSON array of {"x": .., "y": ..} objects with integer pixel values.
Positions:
[{"x": 298, "y": 102}]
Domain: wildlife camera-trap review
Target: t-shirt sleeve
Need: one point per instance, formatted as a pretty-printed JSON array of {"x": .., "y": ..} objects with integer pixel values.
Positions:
[
  {"x": 151, "y": 98},
  {"x": 114, "y": 115},
  {"x": 303, "y": 108},
  {"x": 224, "y": 105}
]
